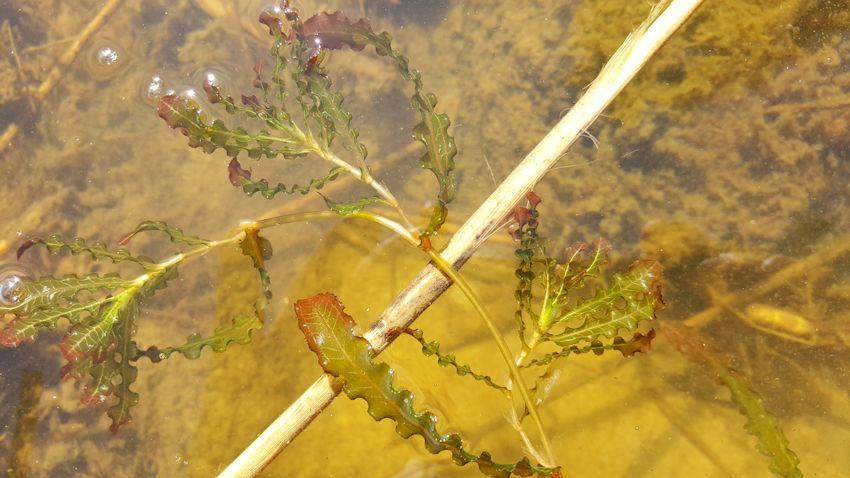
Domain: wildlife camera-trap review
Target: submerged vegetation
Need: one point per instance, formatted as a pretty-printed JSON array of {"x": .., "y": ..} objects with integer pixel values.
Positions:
[
  {"x": 567, "y": 305},
  {"x": 303, "y": 117}
]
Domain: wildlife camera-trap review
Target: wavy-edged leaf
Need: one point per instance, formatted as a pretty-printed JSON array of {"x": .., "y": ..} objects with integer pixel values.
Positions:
[
  {"x": 633, "y": 297},
  {"x": 238, "y": 332},
  {"x": 259, "y": 249},
  {"x": 432, "y": 348},
  {"x": 33, "y": 294},
  {"x": 526, "y": 233},
  {"x": 582, "y": 262},
  {"x": 772, "y": 442},
  {"x": 185, "y": 116},
  {"x": 351, "y": 207},
  {"x": 330, "y": 334},
  {"x": 175, "y": 234},
  {"x": 329, "y": 112},
  {"x": 273, "y": 116},
  {"x": 639, "y": 343},
  {"x": 432, "y": 129},
  {"x": 25, "y": 328},
  {"x": 122, "y": 354},
  {"x": 333, "y": 31},
  {"x": 241, "y": 177},
  {"x": 86, "y": 337},
  {"x": 97, "y": 250}
]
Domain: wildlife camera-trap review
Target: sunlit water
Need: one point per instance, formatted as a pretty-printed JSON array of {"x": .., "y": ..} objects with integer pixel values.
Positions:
[{"x": 727, "y": 160}]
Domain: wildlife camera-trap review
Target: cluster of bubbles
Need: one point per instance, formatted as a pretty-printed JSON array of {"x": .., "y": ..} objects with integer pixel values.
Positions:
[
  {"x": 156, "y": 87},
  {"x": 11, "y": 277}
]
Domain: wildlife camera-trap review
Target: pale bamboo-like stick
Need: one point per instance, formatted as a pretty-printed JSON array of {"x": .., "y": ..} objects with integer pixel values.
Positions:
[
  {"x": 39, "y": 93},
  {"x": 635, "y": 51}
]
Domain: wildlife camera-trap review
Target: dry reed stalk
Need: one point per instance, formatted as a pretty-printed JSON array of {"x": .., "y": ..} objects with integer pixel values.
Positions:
[{"x": 635, "y": 51}]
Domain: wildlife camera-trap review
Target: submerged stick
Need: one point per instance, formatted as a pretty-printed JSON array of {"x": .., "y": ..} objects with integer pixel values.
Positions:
[
  {"x": 635, "y": 51},
  {"x": 39, "y": 93}
]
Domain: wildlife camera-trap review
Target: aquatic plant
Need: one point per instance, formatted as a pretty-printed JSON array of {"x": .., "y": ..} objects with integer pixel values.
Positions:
[{"x": 561, "y": 299}]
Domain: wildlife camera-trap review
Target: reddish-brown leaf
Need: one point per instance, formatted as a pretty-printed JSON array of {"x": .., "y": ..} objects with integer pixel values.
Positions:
[
  {"x": 335, "y": 30},
  {"x": 236, "y": 173}
]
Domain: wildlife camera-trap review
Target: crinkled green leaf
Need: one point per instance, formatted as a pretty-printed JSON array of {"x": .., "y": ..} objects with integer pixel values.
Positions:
[
  {"x": 33, "y": 294},
  {"x": 239, "y": 332},
  {"x": 633, "y": 297},
  {"x": 772, "y": 442},
  {"x": 638, "y": 343},
  {"x": 335, "y": 30},
  {"x": 76, "y": 246},
  {"x": 329, "y": 112},
  {"x": 25, "y": 328},
  {"x": 349, "y": 208},
  {"x": 449, "y": 360},
  {"x": 259, "y": 249},
  {"x": 174, "y": 233},
  {"x": 432, "y": 130},
  {"x": 526, "y": 234},
  {"x": 102, "y": 310},
  {"x": 95, "y": 333},
  {"x": 185, "y": 116},
  {"x": 560, "y": 280},
  {"x": 123, "y": 352},
  {"x": 241, "y": 177},
  {"x": 330, "y": 334}
]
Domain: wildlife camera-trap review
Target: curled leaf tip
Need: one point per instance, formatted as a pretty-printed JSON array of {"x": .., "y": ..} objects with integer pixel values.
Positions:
[
  {"x": 271, "y": 18},
  {"x": 521, "y": 215},
  {"x": 236, "y": 173},
  {"x": 26, "y": 246},
  {"x": 640, "y": 343},
  {"x": 212, "y": 90},
  {"x": 251, "y": 101}
]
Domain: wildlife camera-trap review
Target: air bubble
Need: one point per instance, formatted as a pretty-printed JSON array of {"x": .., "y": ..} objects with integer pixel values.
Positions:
[
  {"x": 11, "y": 277},
  {"x": 188, "y": 93},
  {"x": 152, "y": 90},
  {"x": 107, "y": 58}
]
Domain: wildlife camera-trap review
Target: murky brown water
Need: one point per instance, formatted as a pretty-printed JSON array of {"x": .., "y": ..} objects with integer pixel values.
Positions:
[{"x": 727, "y": 160}]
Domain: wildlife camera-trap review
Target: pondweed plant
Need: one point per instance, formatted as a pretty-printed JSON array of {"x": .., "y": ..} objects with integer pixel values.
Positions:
[{"x": 563, "y": 307}]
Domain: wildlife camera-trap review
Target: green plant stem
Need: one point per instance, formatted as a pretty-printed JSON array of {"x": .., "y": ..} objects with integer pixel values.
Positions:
[
  {"x": 369, "y": 216},
  {"x": 364, "y": 176},
  {"x": 507, "y": 356},
  {"x": 528, "y": 347}
]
